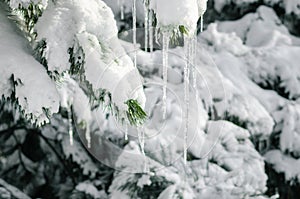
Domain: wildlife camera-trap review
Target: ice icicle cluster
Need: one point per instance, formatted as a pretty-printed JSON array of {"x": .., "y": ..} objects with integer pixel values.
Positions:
[{"x": 168, "y": 23}]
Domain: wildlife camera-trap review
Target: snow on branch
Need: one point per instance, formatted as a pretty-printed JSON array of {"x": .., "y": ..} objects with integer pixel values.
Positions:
[
  {"x": 85, "y": 34},
  {"x": 22, "y": 77}
]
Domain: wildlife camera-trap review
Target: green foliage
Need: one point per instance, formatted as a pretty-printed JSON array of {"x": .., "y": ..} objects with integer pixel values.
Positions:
[
  {"x": 183, "y": 30},
  {"x": 135, "y": 113},
  {"x": 31, "y": 15},
  {"x": 76, "y": 59},
  {"x": 39, "y": 52},
  {"x": 235, "y": 120},
  {"x": 26, "y": 18}
]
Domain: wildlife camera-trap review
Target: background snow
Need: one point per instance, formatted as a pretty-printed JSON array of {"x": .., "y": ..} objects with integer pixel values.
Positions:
[{"x": 250, "y": 54}]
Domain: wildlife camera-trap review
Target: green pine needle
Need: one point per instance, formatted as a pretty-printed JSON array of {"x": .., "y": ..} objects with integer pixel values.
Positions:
[
  {"x": 135, "y": 114},
  {"x": 183, "y": 30}
]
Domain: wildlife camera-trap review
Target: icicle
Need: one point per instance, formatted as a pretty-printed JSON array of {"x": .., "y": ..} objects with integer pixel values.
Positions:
[
  {"x": 88, "y": 136},
  {"x": 157, "y": 35},
  {"x": 193, "y": 63},
  {"x": 141, "y": 138},
  {"x": 121, "y": 4},
  {"x": 201, "y": 23},
  {"x": 126, "y": 132},
  {"x": 186, "y": 94},
  {"x": 134, "y": 31},
  {"x": 146, "y": 12},
  {"x": 70, "y": 124},
  {"x": 165, "y": 71},
  {"x": 122, "y": 12},
  {"x": 150, "y": 31}
]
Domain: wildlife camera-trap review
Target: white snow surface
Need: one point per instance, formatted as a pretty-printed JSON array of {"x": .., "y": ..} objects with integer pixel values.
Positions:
[
  {"x": 292, "y": 6},
  {"x": 171, "y": 14},
  {"x": 272, "y": 53},
  {"x": 35, "y": 89},
  {"x": 284, "y": 164}
]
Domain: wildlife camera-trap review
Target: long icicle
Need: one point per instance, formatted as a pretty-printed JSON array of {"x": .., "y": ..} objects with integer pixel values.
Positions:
[
  {"x": 146, "y": 12},
  {"x": 141, "y": 138},
  {"x": 193, "y": 63},
  {"x": 126, "y": 131},
  {"x": 134, "y": 31},
  {"x": 70, "y": 124},
  {"x": 157, "y": 35},
  {"x": 186, "y": 95},
  {"x": 122, "y": 9},
  {"x": 88, "y": 136},
  {"x": 150, "y": 31},
  {"x": 165, "y": 71}
]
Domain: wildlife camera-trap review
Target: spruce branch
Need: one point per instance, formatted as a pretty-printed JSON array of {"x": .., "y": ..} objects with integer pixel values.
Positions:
[{"x": 135, "y": 114}]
